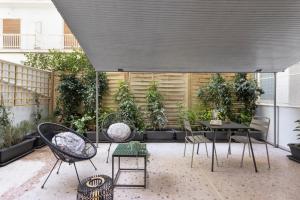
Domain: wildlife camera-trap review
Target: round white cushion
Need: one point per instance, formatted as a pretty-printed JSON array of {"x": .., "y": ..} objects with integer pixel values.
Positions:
[
  {"x": 70, "y": 142},
  {"x": 119, "y": 132}
]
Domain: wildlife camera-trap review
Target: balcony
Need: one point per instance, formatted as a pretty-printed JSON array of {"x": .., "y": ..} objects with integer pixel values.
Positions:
[{"x": 36, "y": 42}]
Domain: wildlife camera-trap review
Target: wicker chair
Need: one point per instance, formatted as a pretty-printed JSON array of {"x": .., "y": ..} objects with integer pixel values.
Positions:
[
  {"x": 49, "y": 130},
  {"x": 116, "y": 118}
]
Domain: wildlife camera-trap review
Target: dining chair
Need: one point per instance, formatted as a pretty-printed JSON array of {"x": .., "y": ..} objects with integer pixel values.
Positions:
[
  {"x": 195, "y": 138},
  {"x": 259, "y": 126}
]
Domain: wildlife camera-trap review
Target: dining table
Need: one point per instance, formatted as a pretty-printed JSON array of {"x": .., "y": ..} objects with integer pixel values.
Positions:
[{"x": 228, "y": 127}]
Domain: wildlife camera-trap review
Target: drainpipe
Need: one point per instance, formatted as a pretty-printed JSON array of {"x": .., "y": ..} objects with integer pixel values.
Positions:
[{"x": 97, "y": 108}]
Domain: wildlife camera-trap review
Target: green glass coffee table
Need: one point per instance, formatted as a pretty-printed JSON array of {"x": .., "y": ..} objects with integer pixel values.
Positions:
[{"x": 126, "y": 151}]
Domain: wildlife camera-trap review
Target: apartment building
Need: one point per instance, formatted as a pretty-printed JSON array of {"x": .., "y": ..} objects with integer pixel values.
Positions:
[{"x": 32, "y": 26}]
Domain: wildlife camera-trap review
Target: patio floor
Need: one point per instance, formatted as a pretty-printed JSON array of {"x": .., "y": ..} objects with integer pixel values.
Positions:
[{"x": 170, "y": 175}]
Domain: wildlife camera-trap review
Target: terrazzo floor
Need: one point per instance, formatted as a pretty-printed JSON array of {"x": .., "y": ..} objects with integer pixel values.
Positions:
[{"x": 170, "y": 175}]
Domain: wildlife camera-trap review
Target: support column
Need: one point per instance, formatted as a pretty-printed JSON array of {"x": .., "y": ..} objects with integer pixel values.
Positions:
[
  {"x": 275, "y": 111},
  {"x": 97, "y": 109}
]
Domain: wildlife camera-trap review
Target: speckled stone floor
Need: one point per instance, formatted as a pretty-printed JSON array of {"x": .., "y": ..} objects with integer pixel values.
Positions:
[{"x": 170, "y": 176}]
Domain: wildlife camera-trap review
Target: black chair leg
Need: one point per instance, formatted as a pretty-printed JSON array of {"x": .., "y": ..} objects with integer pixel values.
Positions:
[
  {"x": 108, "y": 152},
  {"x": 77, "y": 173},
  {"x": 93, "y": 164},
  {"x": 50, "y": 173},
  {"x": 59, "y": 167}
]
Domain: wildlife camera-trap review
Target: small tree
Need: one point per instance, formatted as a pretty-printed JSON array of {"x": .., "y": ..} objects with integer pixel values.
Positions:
[
  {"x": 217, "y": 95},
  {"x": 70, "y": 98},
  {"x": 247, "y": 92},
  {"x": 155, "y": 107},
  {"x": 127, "y": 107}
]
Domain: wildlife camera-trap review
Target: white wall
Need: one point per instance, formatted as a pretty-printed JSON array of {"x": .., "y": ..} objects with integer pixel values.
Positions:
[
  {"x": 30, "y": 14},
  {"x": 20, "y": 113},
  {"x": 286, "y": 117}
]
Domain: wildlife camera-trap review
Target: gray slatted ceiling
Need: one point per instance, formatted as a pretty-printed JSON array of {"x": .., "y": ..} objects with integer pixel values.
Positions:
[{"x": 186, "y": 35}]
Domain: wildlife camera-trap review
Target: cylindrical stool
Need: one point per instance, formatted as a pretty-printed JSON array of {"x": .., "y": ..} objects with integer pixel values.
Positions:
[{"x": 95, "y": 187}]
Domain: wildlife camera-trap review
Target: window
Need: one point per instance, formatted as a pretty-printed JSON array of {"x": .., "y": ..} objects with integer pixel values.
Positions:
[
  {"x": 266, "y": 82},
  {"x": 11, "y": 33}
]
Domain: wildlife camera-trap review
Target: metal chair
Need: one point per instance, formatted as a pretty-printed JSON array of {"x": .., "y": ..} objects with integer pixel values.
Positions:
[
  {"x": 258, "y": 126},
  {"x": 48, "y": 131},
  {"x": 195, "y": 137},
  {"x": 115, "y": 118}
]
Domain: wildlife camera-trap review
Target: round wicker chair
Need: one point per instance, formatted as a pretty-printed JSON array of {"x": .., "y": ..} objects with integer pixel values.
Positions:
[
  {"x": 48, "y": 131},
  {"x": 116, "y": 118}
]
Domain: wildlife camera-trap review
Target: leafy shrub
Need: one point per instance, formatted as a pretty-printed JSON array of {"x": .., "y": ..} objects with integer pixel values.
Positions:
[
  {"x": 68, "y": 103},
  {"x": 247, "y": 92},
  {"x": 127, "y": 107},
  {"x": 218, "y": 95},
  {"x": 155, "y": 107},
  {"x": 80, "y": 124}
]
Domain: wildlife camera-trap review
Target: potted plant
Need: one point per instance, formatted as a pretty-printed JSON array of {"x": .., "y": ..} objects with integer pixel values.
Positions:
[
  {"x": 13, "y": 144},
  {"x": 295, "y": 147},
  {"x": 156, "y": 115},
  {"x": 129, "y": 110}
]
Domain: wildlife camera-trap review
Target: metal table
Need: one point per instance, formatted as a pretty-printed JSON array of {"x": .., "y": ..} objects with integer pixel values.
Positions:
[
  {"x": 125, "y": 151},
  {"x": 230, "y": 126}
]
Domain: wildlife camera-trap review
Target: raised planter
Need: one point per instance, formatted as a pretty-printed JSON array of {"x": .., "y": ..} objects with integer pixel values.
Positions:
[
  {"x": 10, "y": 154},
  {"x": 91, "y": 135},
  {"x": 164, "y": 135},
  {"x": 220, "y": 135},
  {"x": 180, "y": 135},
  {"x": 295, "y": 150},
  {"x": 38, "y": 142}
]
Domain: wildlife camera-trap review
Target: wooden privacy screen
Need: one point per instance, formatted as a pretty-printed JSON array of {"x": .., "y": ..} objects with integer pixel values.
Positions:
[
  {"x": 175, "y": 87},
  {"x": 18, "y": 84}
]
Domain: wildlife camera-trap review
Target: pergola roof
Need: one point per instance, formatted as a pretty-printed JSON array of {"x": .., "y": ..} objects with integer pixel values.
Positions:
[{"x": 186, "y": 35}]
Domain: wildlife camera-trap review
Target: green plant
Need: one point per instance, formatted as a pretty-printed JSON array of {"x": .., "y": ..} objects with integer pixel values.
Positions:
[
  {"x": 37, "y": 112},
  {"x": 298, "y": 129},
  {"x": 12, "y": 135},
  {"x": 70, "y": 62},
  {"x": 155, "y": 107},
  {"x": 247, "y": 92},
  {"x": 127, "y": 107},
  {"x": 70, "y": 98},
  {"x": 80, "y": 124},
  {"x": 218, "y": 95}
]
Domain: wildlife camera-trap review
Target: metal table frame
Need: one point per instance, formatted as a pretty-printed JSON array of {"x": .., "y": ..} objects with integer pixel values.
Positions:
[
  {"x": 120, "y": 169},
  {"x": 229, "y": 127}
]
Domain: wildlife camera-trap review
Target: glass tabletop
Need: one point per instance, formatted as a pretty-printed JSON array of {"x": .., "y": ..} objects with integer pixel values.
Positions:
[{"x": 128, "y": 149}]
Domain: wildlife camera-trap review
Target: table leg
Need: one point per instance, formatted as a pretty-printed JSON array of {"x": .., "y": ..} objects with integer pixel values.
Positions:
[
  {"x": 213, "y": 151},
  {"x": 253, "y": 157},
  {"x": 112, "y": 169},
  {"x": 119, "y": 161},
  {"x": 145, "y": 171}
]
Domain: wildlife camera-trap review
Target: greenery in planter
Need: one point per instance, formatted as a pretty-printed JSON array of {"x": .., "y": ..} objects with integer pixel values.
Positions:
[
  {"x": 155, "y": 107},
  {"x": 247, "y": 93},
  {"x": 298, "y": 129},
  {"x": 80, "y": 124},
  {"x": 71, "y": 92},
  {"x": 11, "y": 135},
  {"x": 127, "y": 107},
  {"x": 218, "y": 95},
  {"x": 198, "y": 113}
]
